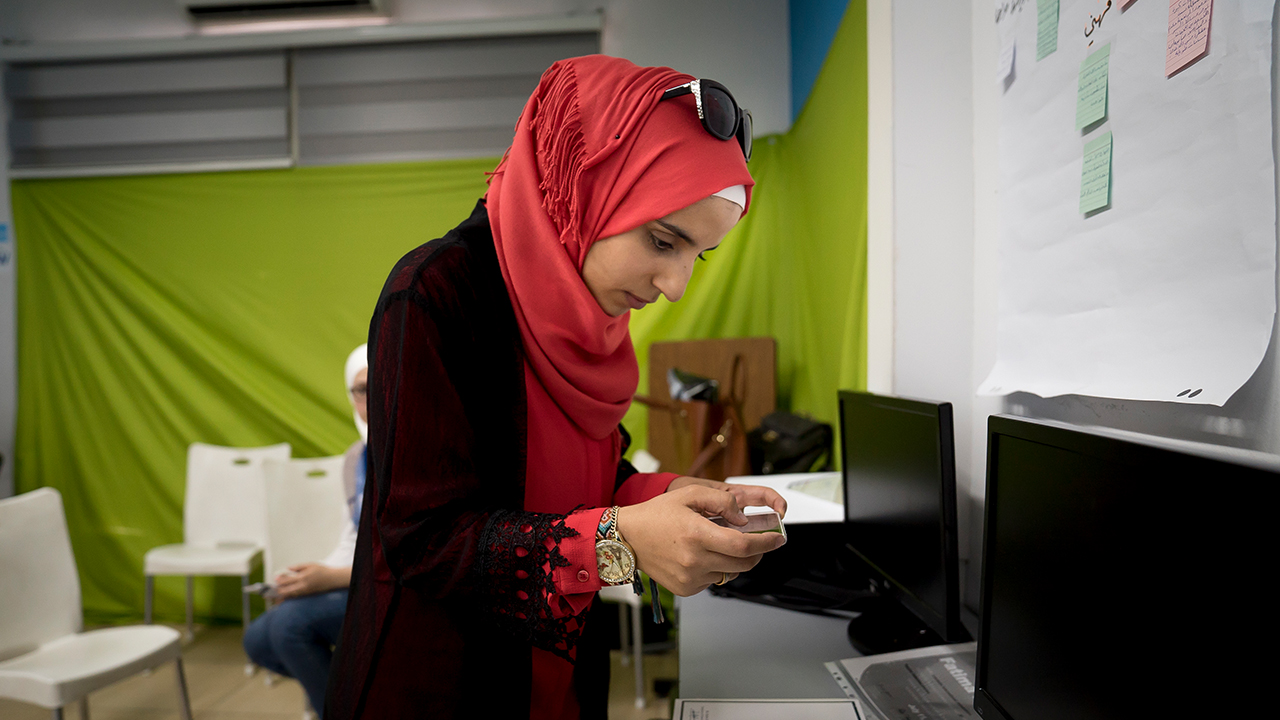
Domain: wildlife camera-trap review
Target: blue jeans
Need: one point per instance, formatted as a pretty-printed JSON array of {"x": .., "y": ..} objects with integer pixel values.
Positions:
[{"x": 296, "y": 639}]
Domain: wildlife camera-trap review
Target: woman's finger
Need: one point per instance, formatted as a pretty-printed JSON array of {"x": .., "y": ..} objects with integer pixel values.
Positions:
[
  {"x": 710, "y": 501},
  {"x": 737, "y": 544},
  {"x": 718, "y": 562},
  {"x": 721, "y": 577},
  {"x": 757, "y": 495}
]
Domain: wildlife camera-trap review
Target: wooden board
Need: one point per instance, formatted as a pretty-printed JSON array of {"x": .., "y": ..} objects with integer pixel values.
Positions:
[{"x": 713, "y": 359}]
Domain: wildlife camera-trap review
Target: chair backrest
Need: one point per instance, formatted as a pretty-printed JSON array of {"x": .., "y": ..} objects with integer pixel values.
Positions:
[
  {"x": 39, "y": 588},
  {"x": 306, "y": 511},
  {"x": 226, "y": 499}
]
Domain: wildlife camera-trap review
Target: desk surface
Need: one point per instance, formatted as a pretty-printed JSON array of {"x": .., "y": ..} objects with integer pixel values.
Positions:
[{"x": 736, "y": 649}]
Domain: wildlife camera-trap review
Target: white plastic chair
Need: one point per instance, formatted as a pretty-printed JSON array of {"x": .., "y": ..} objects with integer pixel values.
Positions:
[
  {"x": 45, "y": 659},
  {"x": 626, "y": 597},
  {"x": 306, "y": 511},
  {"x": 223, "y": 521},
  {"x": 306, "y": 515}
]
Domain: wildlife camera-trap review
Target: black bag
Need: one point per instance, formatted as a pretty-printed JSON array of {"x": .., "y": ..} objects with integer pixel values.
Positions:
[{"x": 790, "y": 443}]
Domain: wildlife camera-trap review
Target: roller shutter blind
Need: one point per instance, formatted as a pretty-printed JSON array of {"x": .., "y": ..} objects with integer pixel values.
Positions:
[
  {"x": 419, "y": 101},
  {"x": 230, "y": 108},
  {"x": 347, "y": 104}
]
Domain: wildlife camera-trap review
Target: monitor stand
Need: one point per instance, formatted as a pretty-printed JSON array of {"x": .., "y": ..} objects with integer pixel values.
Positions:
[{"x": 886, "y": 626}]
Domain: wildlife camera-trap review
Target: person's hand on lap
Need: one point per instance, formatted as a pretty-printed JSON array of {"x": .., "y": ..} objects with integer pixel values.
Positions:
[{"x": 309, "y": 579}]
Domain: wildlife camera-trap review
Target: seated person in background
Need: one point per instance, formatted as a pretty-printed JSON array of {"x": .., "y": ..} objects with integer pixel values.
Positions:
[{"x": 296, "y": 637}]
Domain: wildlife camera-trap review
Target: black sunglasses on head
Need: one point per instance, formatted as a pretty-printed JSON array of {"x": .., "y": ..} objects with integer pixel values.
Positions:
[{"x": 718, "y": 111}]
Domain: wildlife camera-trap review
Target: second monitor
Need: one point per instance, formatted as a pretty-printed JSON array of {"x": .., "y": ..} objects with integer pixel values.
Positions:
[{"x": 900, "y": 518}]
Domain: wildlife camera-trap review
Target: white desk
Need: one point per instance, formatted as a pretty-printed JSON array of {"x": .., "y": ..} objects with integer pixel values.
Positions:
[{"x": 736, "y": 649}]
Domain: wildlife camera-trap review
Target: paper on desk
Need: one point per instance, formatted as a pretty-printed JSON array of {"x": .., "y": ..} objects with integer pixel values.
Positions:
[
  {"x": 1091, "y": 91},
  {"x": 1046, "y": 28},
  {"x": 802, "y": 508},
  {"x": 826, "y": 709},
  {"x": 932, "y": 683},
  {"x": 1095, "y": 178},
  {"x": 1188, "y": 36}
]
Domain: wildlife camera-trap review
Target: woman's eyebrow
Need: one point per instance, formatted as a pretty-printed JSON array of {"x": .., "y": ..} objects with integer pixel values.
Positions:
[{"x": 677, "y": 231}]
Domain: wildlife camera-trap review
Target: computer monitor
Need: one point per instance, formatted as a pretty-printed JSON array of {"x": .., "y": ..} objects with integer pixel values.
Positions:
[
  {"x": 899, "y": 475},
  {"x": 1123, "y": 577}
]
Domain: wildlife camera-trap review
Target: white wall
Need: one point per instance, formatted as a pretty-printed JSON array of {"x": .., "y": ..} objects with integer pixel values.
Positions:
[{"x": 933, "y": 215}]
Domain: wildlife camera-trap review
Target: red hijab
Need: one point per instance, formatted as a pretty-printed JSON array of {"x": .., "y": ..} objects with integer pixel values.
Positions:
[{"x": 595, "y": 154}]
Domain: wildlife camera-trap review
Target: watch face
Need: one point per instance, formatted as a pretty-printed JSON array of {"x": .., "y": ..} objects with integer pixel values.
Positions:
[{"x": 614, "y": 562}]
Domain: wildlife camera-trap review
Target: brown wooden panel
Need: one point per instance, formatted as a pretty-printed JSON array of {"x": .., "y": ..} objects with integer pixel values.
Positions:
[{"x": 713, "y": 359}]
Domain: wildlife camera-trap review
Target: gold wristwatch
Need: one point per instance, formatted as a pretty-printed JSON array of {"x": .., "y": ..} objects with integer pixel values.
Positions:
[{"x": 615, "y": 560}]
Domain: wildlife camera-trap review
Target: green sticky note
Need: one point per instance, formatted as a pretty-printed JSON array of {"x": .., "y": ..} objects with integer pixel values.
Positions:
[
  {"x": 1091, "y": 97},
  {"x": 1095, "y": 180},
  {"x": 1046, "y": 28}
]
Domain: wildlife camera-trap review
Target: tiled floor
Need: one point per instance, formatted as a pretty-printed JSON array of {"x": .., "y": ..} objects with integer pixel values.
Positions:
[{"x": 214, "y": 664}]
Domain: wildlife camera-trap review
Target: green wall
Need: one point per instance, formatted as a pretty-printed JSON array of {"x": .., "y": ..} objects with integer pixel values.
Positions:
[{"x": 162, "y": 310}]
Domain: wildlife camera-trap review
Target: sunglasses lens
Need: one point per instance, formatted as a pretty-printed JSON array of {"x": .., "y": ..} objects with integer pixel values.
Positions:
[
  {"x": 719, "y": 112},
  {"x": 744, "y": 134}
]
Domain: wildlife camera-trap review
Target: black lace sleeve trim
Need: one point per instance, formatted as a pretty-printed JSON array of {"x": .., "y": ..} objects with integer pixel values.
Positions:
[{"x": 519, "y": 554}]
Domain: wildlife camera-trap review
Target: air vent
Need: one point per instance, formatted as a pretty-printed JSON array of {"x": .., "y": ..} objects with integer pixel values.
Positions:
[{"x": 215, "y": 10}]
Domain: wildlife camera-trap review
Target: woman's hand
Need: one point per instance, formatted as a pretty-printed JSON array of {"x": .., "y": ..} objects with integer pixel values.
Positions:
[
  {"x": 679, "y": 547},
  {"x": 746, "y": 495},
  {"x": 309, "y": 579}
]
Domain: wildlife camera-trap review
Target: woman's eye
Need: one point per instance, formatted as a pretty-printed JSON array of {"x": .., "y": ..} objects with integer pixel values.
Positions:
[{"x": 660, "y": 243}]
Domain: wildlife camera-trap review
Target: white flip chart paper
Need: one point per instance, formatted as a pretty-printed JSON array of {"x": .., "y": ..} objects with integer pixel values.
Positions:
[{"x": 1169, "y": 292}]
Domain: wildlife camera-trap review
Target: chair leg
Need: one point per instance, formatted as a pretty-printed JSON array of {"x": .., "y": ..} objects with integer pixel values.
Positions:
[
  {"x": 191, "y": 609},
  {"x": 624, "y": 634},
  {"x": 637, "y": 648},
  {"x": 184, "y": 700},
  {"x": 249, "y": 668},
  {"x": 84, "y": 708},
  {"x": 148, "y": 599},
  {"x": 244, "y": 603}
]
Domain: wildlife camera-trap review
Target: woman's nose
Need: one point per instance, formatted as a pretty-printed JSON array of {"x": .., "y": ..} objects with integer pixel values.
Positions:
[{"x": 673, "y": 280}]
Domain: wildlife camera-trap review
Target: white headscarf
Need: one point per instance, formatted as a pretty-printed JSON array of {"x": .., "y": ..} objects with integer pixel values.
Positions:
[
  {"x": 358, "y": 360},
  {"x": 735, "y": 194}
]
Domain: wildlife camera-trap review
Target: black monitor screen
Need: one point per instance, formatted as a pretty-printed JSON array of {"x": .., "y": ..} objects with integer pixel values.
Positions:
[
  {"x": 1119, "y": 576},
  {"x": 899, "y": 485}
]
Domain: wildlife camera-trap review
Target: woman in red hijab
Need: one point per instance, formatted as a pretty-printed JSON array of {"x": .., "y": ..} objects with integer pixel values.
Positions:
[{"x": 501, "y": 366}]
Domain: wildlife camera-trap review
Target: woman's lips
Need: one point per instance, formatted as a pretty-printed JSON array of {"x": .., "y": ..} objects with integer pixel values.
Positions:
[{"x": 635, "y": 302}]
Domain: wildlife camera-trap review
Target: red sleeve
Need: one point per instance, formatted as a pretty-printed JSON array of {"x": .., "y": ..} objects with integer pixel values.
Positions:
[
  {"x": 577, "y": 583},
  {"x": 642, "y": 486}
]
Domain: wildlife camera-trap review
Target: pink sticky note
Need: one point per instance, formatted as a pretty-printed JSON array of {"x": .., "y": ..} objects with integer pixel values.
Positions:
[{"x": 1188, "y": 33}]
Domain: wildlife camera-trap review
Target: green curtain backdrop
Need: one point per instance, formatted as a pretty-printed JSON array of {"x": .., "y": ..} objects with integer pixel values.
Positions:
[
  {"x": 795, "y": 268},
  {"x": 158, "y": 311}
]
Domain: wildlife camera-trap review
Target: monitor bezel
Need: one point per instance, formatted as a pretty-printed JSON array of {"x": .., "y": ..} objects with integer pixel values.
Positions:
[{"x": 946, "y": 622}]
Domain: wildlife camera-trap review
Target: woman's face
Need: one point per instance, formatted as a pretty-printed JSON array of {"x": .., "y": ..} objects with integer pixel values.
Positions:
[
  {"x": 628, "y": 271},
  {"x": 360, "y": 393}
]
